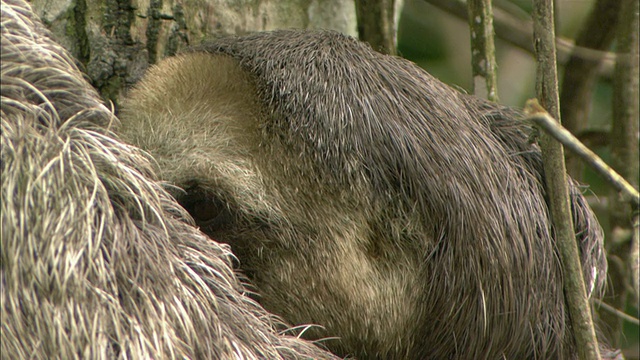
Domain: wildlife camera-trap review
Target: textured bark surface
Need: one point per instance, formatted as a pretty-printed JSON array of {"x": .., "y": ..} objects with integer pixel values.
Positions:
[
  {"x": 117, "y": 40},
  {"x": 555, "y": 177},
  {"x": 377, "y": 24},
  {"x": 483, "y": 51}
]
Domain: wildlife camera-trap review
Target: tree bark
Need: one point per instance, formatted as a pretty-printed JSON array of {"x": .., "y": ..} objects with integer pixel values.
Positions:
[
  {"x": 483, "y": 50},
  {"x": 117, "y": 40},
  {"x": 556, "y": 184},
  {"x": 377, "y": 24}
]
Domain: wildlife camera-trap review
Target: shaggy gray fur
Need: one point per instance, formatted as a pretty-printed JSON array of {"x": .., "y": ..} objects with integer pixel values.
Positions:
[
  {"x": 97, "y": 261},
  {"x": 362, "y": 194}
]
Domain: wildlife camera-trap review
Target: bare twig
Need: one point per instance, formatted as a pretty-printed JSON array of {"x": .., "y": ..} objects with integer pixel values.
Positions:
[
  {"x": 622, "y": 315},
  {"x": 556, "y": 180},
  {"x": 574, "y": 288},
  {"x": 557, "y": 131},
  {"x": 519, "y": 32},
  {"x": 483, "y": 57}
]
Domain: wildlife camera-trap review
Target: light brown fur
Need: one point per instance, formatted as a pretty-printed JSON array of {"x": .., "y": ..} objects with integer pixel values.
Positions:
[{"x": 213, "y": 141}]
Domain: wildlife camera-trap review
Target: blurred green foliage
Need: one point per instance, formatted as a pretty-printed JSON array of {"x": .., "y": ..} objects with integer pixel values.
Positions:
[{"x": 439, "y": 43}]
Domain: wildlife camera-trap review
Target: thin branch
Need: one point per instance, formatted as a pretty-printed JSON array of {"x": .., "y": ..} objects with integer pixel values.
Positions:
[
  {"x": 483, "y": 52},
  {"x": 556, "y": 181},
  {"x": 519, "y": 32},
  {"x": 622, "y": 315},
  {"x": 558, "y": 132}
]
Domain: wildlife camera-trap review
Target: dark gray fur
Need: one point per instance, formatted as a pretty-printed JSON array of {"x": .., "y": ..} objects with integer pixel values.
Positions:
[
  {"x": 365, "y": 159},
  {"x": 97, "y": 261}
]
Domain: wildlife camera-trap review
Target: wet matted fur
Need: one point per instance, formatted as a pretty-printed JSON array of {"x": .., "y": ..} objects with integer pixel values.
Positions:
[
  {"x": 97, "y": 261},
  {"x": 362, "y": 194}
]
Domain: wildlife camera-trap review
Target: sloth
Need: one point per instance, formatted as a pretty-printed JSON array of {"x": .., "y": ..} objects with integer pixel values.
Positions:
[{"x": 359, "y": 193}]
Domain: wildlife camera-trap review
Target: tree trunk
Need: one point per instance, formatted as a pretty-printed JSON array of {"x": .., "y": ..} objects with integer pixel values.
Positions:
[{"x": 117, "y": 40}]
